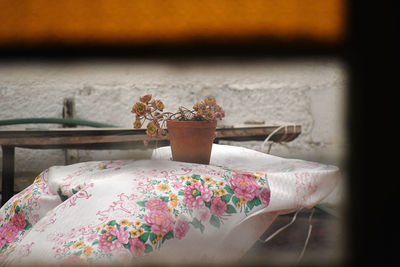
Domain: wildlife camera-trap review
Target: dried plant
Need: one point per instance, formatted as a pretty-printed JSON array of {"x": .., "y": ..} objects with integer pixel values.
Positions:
[{"x": 152, "y": 110}]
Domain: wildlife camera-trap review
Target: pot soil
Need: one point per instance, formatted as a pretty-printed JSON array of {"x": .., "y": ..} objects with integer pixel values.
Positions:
[{"x": 191, "y": 141}]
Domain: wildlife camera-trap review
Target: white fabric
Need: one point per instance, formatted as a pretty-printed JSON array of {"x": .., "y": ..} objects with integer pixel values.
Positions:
[{"x": 100, "y": 212}]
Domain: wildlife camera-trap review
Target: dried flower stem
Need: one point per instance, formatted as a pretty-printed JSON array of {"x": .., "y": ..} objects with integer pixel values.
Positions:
[{"x": 151, "y": 110}]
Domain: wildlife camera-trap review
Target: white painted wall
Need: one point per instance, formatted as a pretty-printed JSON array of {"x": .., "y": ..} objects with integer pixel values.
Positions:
[{"x": 311, "y": 93}]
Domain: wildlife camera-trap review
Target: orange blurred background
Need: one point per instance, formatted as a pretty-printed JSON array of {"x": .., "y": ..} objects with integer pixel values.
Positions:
[{"x": 163, "y": 21}]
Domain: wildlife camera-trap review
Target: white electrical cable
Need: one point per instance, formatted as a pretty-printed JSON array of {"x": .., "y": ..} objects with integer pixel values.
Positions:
[
  {"x": 282, "y": 228},
  {"x": 266, "y": 141},
  {"x": 289, "y": 224},
  {"x": 307, "y": 239}
]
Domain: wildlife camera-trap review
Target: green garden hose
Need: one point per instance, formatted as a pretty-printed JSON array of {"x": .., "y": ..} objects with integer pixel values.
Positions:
[
  {"x": 56, "y": 120},
  {"x": 327, "y": 210}
]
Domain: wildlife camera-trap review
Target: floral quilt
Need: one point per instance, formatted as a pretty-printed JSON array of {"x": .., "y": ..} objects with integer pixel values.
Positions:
[{"x": 123, "y": 211}]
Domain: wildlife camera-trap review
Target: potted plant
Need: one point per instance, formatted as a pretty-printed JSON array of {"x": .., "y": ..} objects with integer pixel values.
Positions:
[{"x": 191, "y": 131}]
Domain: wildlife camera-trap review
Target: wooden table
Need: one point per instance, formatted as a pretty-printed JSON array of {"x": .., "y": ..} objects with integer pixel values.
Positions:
[{"x": 113, "y": 138}]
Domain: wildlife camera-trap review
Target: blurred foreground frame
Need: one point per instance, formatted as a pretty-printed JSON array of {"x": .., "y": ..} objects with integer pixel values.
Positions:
[
  {"x": 196, "y": 30},
  {"x": 170, "y": 28}
]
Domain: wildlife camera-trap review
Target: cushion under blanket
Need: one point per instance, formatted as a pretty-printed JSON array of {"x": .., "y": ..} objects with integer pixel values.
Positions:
[
  {"x": 158, "y": 211},
  {"x": 294, "y": 183}
]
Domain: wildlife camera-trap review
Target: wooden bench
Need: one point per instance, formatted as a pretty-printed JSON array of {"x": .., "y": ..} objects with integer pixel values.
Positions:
[{"x": 114, "y": 138}]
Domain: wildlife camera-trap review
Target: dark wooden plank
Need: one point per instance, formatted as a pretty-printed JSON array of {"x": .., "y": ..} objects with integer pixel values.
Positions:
[
  {"x": 103, "y": 146},
  {"x": 74, "y": 140},
  {"x": 63, "y": 138}
]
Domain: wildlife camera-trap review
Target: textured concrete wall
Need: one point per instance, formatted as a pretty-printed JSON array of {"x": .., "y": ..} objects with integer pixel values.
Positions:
[{"x": 310, "y": 93}]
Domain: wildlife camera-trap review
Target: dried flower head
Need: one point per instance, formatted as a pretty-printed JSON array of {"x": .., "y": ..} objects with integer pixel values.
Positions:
[
  {"x": 210, "y": 101},
  {"x": 137, "y": 124},
  {"x": 151, "y": 129},
  {"x": 199, "y": 113},
  {"x": 140, "y": 108},
  {"x": 209, "y": 115},
  {"x": 145, "y": 98},
  {"x": 208, "y": 109},
  {"x": 160, "y": 105}
]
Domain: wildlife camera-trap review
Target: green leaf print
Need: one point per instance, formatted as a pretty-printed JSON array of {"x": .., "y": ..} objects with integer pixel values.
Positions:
[
  {"x": 28, "y": 225},
  {"x": 62, "y": 197},
  {"x": 230, "y": 209},
  {"x": 226, "y": 198},
  {"x": 146, "y": 227},
  {"x": 141, "y": 203},
  {"x": 257, "y": 201},
  {"x": 148, "y": 249},
  {"x": 144, "y": 237},
  {"x": 254, "y": 202},
  {"x": 196, "y": 176},
  {"x": 214, "y": 220},
  {"x": 153, "y": 236},
  {"x": 228, "y": 189},
  {"x": 168, "y": 235},
  {"x": 17, "y": 209},
  {"x": 197, "y": 224},
  {"x": 4, "y": 248},
  {"x": 165, "y": 199},
  {"x": 250, "y": 204},
  {"x": 235, "y": 200},
  {"x": 113, "y": 222}
]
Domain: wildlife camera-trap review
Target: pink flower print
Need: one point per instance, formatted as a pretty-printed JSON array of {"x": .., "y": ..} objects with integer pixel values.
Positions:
[
  {"x": 161, "y": 221},
  {"x": 156, "y": 204},
  {"x": 137, "y": 246},
  {"x": 19, "y": 220},
  {"x": 244, "y": 185},
  {"x": 182, "y": 227},
  {"x": 25, "y": 250},
  {"x": 218, "y": 206},
  {"x": 196, "y": 194},
  {"x": 113, "y": 239},
  {"x": 204, "y": 215},
  {"x": 63, "y": 251},
  {"x": 177, "y": 184},
  {"x": 92, "y": 237},
  {"x": 8, "y": 233},
  {"x": 265, "y": 196}
]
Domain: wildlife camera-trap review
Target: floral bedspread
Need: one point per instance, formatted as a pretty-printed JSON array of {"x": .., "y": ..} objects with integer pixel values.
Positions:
[{"x": 123, "y": 211}]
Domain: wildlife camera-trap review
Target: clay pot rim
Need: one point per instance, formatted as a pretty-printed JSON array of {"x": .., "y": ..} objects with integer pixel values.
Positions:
[{"x": 191, "y": 124}]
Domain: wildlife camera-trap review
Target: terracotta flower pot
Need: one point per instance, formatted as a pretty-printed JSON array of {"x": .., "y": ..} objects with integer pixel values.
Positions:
[{"x": 191, "y": 141}]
